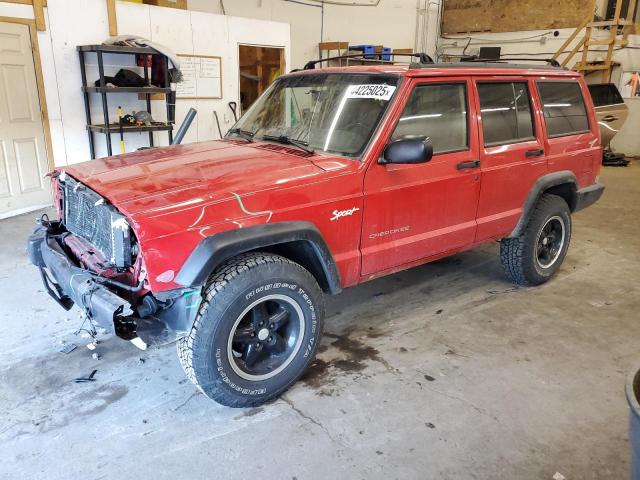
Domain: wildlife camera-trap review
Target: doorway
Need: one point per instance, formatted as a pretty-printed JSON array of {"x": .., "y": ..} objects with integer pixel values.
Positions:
[
  {"x": 23, "y": 152},
  {"x": 259, "y": 67}
]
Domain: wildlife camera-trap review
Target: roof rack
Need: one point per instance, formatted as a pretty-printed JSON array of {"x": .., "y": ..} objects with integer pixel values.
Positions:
[
  {"x": 423, "y": 59},
  {"x": 551, "y": 61}
]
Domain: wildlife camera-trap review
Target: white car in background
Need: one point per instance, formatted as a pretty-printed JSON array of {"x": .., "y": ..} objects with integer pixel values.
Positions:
[{"x": 611, "y": 111}]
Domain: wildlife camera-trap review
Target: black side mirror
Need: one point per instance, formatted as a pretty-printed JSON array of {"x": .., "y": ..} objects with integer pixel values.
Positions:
[{"x": 408, "y": 149}]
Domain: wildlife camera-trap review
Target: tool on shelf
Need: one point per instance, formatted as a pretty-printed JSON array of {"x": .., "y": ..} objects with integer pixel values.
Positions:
[
  {"x": 120, "y": 115},
  {"x": 102, "y": 87}
]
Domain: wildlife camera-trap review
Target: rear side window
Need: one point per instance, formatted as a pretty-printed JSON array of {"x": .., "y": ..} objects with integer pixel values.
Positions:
[
  {"x": 605, "y": 94},
  {"x": 438, "y": 111},
  {"x": 563, "y": 107},
  {"x": 506, "y": 113}
]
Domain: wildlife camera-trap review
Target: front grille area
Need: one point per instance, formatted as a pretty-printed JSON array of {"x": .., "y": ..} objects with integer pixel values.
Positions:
[{"x": 89, "y": 216}]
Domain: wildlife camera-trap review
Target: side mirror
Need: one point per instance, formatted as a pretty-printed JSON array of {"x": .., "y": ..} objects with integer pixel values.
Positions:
[{"x": 408, "y": 149}]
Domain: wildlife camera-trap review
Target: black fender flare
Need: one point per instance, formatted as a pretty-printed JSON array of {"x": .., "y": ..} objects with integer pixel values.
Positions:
[
  {"x": 542, "y": 184},
  {"x": 212, "y": 251}
]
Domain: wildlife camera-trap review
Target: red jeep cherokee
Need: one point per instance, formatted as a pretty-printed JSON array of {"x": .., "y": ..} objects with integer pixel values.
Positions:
[{"x": 333, "y": 177}]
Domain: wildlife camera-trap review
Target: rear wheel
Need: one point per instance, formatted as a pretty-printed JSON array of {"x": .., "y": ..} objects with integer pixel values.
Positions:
[
  {"x": 257, "y": 330},
  {"x": 536, "y": 255}
]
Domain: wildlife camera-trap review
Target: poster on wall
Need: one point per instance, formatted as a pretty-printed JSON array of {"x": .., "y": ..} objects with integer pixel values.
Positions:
[
  {"x": 202, "y": 77},
  {"x": 630, "y": 84}
]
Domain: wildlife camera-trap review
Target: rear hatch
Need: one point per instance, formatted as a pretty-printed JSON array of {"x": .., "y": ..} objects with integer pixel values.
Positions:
[{"x": 611, "y": 110}]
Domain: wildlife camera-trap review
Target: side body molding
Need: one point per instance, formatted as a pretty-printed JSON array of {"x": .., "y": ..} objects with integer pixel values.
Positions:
[
  {"x": 545, "y": 182},
  {"x": 299, "y": 241}
]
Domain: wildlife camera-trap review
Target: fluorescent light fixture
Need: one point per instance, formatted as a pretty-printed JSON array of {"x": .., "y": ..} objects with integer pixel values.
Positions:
[
  {"x": 334, "y": 122},
  {"x": 497, "y": 109},
  {"x": 413, "y": 117}
]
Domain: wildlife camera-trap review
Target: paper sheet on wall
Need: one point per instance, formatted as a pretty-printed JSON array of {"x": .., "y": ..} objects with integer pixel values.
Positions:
[{"x": 202, "y": 77}]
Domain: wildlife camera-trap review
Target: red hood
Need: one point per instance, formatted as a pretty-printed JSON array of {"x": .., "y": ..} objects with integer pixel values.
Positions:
[{"x": 174, "y": 177}]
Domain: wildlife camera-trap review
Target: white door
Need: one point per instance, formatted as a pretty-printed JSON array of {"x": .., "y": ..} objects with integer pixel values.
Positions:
[{"x": 23, "y": 156}]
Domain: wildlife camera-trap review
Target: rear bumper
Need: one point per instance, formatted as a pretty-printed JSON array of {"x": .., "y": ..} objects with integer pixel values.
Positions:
[
  {"x": 588, "y": 196},
  {"x": 68, "y": 284}
]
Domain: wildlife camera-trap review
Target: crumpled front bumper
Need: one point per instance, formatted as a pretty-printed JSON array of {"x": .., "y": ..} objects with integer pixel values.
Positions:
[{"x": 69, "y": 284}]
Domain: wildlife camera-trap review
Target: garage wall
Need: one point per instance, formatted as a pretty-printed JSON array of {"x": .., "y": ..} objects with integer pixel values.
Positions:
[
  {"x": 543, "y": 44},
  {"x": 187, "y": 32},
  {"x": 390, "y": 22},
  {"x": 513, "y": 15}
]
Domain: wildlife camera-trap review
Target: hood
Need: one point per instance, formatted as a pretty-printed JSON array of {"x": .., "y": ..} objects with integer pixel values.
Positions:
[{"x": 177, "y": 176}]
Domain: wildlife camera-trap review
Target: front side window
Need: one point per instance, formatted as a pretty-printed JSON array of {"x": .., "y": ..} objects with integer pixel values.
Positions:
[
  {"x": 563, "y": 107},
  {"x": 329, "y": 112},
  {"x": 438, "y": 111},
  {"x": 506, "y": 113}
]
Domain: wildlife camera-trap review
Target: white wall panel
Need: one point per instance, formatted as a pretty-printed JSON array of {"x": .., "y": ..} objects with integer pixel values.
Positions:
[{"x": 81, "y": 22}]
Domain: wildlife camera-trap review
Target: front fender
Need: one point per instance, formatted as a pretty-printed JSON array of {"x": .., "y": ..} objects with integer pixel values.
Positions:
[{"x": 214, "y": 250}]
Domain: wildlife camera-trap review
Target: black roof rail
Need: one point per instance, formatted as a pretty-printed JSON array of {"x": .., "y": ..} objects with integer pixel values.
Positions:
[
  {"x": 423, "y": 59},
  {"x": 551, "y": 61}
]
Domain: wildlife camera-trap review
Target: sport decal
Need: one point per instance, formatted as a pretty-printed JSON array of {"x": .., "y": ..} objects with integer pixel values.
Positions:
[{"x": 343, "y": 213}]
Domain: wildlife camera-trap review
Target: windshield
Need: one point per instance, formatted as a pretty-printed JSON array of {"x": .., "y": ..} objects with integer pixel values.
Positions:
[{"x": 335, "y": 113}]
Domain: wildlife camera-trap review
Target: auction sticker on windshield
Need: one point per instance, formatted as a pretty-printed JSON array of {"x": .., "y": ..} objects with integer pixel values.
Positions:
[{"x": 377, "y": 91}]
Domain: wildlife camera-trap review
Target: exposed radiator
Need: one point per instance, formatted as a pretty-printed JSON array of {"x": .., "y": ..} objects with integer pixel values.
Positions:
[{"x": 89, "y": 216}]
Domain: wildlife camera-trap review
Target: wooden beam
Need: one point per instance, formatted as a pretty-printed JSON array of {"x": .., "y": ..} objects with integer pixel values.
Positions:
[
  {"x": 579, "y": 66},
  {"x": 606, "y": 74},
  {"x": 585, "y": 51},
  {"x": 38, "y": 14},
  {"x": 333, "y": 45},
  {"x": 24, "y": 2},
  {"x": 608, "y": 23},
  {"x": 568, "y": 41},
  {"x": 113, "y": 19},
  {"x": 574, "y": 51}
]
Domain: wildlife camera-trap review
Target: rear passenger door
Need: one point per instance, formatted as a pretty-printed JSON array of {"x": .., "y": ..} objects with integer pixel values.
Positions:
[{"x": 512, "y": 154}]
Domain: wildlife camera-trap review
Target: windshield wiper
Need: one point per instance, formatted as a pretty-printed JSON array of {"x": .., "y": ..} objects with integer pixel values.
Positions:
[
  {"x": 285, "y": 140},
  {"x": 244, "y": 134}
]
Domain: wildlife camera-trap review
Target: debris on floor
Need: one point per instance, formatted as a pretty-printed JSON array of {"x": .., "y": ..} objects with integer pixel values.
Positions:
[
  {"x": 67, "y": 348},
  {"x": 90, "y": 378}
]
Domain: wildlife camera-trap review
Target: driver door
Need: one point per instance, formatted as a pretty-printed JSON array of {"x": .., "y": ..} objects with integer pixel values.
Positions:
[{"x": 414, "y": 212}]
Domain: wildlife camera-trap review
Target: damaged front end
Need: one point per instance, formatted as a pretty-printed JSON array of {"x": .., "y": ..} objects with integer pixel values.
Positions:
[{"x": 90, "y": 258}]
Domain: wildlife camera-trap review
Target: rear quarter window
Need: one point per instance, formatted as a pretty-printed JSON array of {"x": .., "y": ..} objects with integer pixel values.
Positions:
[{"x": 564, "y": 109}]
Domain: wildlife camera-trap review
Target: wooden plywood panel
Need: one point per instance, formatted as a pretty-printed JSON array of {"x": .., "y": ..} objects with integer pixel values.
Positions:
[{"x": 461, "y": 16}]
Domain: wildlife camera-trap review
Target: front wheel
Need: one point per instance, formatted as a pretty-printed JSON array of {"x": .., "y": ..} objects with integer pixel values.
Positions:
[
  {"x": 257, "y": 330},
  {"x": 536, "y": 255}
]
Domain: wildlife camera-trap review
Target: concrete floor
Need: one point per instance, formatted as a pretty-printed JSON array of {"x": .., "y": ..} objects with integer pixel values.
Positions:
[{"x": 444, "y": 371}]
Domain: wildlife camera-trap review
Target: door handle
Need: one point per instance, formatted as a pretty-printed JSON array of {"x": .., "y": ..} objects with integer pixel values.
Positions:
[
  {"x": 538, "y": 152},
  {"x": 610, "y": 118},
  {"x": 472, "y": 164}
]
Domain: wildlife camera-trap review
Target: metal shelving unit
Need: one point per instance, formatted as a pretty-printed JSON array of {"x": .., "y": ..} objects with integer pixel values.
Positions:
[{"x": 108, "y": 128}]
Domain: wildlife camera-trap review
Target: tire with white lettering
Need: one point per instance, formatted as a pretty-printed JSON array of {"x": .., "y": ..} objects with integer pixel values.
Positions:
[
  {"x": 536, "y": 255},
  {"x": 257, "y": 329}
]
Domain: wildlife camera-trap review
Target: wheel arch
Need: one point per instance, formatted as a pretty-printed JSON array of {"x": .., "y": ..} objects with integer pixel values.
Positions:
[
  {"x": 562, "y": 184},
  {"x": 300, "y": 242}
]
